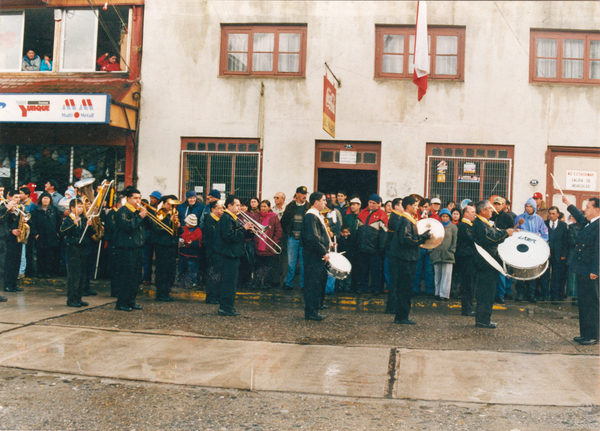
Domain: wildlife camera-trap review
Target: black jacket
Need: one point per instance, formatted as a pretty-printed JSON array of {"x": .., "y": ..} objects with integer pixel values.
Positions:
[
  {"x": 110, "y": 226},
  {"x": 229, "y": 236},
  {"x": 4, "y": 219},
  {"x": 73, "y": 232},
  {"x": 464, "y": 241},
  {"x": 130, "y": 228},
  {"x": 558, "y": 240},
  {"x": 287, "y": 219},
  {"x": 503, "y": 220},
  {"x": 406, "y": 241},
  {"x": 47, "y": 225},
  {"x": 208, "y": 233},
  {"x": 161, "y": 237},
  {"x": 489, "y": 238},
  {"x": 314, "y": 237},
  {"x": 9, "y": 222},
  {"x": 585, "y": 259},
  {"x": 393, "y": 223}
]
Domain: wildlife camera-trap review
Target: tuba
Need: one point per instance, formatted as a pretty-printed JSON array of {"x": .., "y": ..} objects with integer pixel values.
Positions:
[{"x": 95, "y": 202}]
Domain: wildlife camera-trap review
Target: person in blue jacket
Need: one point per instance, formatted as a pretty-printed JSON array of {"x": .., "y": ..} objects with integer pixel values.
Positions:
[{"x": 47, "y": 63}]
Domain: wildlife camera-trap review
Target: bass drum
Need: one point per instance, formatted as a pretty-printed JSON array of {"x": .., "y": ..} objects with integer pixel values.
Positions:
[
  {"x": 525, "y": 255},
  {"x": 338, "y": 266}
]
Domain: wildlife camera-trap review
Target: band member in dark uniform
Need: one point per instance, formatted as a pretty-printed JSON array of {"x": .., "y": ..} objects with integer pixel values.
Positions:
[
  {"x": 315, "y": 244},
  {"x": 229, "y": 243},
  {"x": 393, "y": 221},
  {"x": 465, "y": 249},
  {"x": 165, "y": 248},
  {"x": 213, "y": 270},
  {"x": 403, "y": 257},
  {"x": 130, "y": 240},
  {"x": 488, "y": 238},
  {"x": 585, "y": 266},
  {"x": 78, "y": 236},
  {"x": 110, "y": 235},
  {"x": 14, "y": 249}
]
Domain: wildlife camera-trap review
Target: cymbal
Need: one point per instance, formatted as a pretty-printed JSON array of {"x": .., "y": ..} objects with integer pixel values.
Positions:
[{"x": 436, "y": 229}]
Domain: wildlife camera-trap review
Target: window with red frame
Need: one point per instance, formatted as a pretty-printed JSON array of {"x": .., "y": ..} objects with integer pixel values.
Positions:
[
  {"x": 565, "y": 57},
  {"x": 395, "y": 45},
  {"x": 263, "y": 50}
]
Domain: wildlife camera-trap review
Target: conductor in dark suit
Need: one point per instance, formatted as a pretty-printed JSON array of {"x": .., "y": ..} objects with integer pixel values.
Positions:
[
  {"x": 488, "y": 238},
  {"x": 585, "y": 266},
  {"x": 314, "y": 240},
  {"x": 558, "y": 234}
]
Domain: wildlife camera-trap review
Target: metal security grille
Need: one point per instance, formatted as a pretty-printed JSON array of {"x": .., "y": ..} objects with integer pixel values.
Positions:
[
  {"x": 229, "y": 172},
  {"x": 455, "y": 178}
]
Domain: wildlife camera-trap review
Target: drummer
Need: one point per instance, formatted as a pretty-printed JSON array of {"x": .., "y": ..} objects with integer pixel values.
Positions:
[{"x": 488, "y": 238}]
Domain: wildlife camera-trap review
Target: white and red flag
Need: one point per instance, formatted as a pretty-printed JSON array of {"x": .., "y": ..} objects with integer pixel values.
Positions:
[{"x": 421, "y": 57}]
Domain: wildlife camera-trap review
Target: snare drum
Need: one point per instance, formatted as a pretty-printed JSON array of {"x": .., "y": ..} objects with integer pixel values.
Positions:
[
  {"x": 338, "y": 266},
  {"x": 525, "y": 255}
]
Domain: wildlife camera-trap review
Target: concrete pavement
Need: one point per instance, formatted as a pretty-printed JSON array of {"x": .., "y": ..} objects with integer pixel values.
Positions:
[{"x": 28, "y": 341}]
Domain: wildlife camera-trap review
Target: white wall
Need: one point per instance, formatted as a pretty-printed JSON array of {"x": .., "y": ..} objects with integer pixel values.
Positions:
[{"x": 182, "y": 94}]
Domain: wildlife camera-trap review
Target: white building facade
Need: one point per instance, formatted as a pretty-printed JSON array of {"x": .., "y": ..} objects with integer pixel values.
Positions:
[{"x": 232, "y": 98}]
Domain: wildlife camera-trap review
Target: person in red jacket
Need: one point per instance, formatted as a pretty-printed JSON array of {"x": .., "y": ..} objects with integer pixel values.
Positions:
[
  {"x": 189, "y": 248},
  {"x": 109, "y": 63},
  {"x": 264, "y": 253}
]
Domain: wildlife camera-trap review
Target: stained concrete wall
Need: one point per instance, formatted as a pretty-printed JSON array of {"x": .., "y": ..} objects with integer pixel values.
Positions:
[{"x": 183, "y": 95}]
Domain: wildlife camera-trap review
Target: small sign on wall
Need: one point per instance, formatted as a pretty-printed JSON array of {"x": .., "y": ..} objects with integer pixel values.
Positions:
[
  {"x": 219, "y": 186},
  {"x": 441, "y": 178},
  {"x": 199, "y": 189},
  {"x": 348, "y": 157},
  {"x": 581, "y": 180}
]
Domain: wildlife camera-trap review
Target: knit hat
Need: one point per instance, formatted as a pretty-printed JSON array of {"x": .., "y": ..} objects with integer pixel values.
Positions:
[
  {"x": 215, "y": 194},
  {"x": 445, "y": 211},
  {"x": 45, "y": 195},
  {"x": 156, "y": 194},
  {"x": 192, "y": 220},
  {"x": 190, "y": 194},
  {"x": 375, "y": 198}
]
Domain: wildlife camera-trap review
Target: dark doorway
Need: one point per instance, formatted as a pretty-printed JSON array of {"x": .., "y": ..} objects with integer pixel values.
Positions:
[{"x": 355, "y": 181}]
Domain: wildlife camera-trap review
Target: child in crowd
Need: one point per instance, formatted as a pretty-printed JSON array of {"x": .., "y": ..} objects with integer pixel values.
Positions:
[
  {"x": 345, "y": 245},
  {"x": 73, "y": 228},
  {"x": 189, "y": 249}
]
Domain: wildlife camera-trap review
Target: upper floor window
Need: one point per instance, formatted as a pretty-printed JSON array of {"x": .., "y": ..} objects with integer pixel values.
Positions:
[
  {"x": 565, "y": 56},
  {"x": 263, "y": 50},
  {"x": 395, "y": 48},
  {"x": 83, "y": 40}
]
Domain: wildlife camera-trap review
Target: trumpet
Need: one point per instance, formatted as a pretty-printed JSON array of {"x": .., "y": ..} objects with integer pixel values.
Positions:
[
  {"x": 260, "y": 231},
  {"x": 18, "y": 209},
  {"x": 157, "y": 217}
]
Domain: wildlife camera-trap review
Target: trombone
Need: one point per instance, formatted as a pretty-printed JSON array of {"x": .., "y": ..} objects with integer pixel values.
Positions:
[
  {"x": 260, "y": 231},
  {"x": 158, "y": 217}
]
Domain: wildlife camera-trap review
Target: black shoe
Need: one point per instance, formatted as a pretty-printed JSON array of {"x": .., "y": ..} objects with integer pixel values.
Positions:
[
  {"x": 75, "y": 304},
  {"x": 165, "y": 298},
  {"x": 18, "y": 289},
  {"x": 135, "y": 306},
  {"x": 90, "y": 293},
  {"x": 519, "y": 297},
  {"x": 123, "y": 308},
  {"x": 578, "y": 339},
  {"x": 500, "y": 300},
  {"x": 212, "y": 301},
  {"x": 405, "y": 322},
  {"x": 588, "y": 342},
  {"x": 83, "y": 303},
  {"x": 532, "y": 299},
  {"x": 3, "y": 299},
  {"x": 10, "y": 289},
  {"x": 317, "y": 317},
  {"x": 469, "y": 313},
  {"x": 324, "y": 307},
  {"x": 231, "y": 313},
  {"x": 286, "y": 287},
  {"x": 508, "y": 296},
  {"x": 375, "y": 293},
  {"x": 490, "y": 325}
]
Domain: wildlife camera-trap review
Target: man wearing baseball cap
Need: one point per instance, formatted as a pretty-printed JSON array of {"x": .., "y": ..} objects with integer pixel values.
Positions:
[
  {"x": 542, "y": 211},
  {"x": 291, "y": 223}
]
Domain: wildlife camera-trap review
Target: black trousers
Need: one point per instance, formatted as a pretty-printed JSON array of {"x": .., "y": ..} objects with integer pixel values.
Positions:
[
  {"x": 587, "y": 298},
  {"x": 12, "y": 263},
  {"x": 466, "y": 272},
  {"x": 230, "y": 269},
  {"x": 165, "y": 266},
  {"x": 113, "y": 264},
  {"x": 129, "y": 275},
  {"x": 46, "y": 260},
  {"x": 526, "y": 288},
  {"x": 264, "y": 270},
  {"x": 213, "y": 277},
  {"x": 76, "y": 271},
  {"x": 2, "y": 261},
  {"x": 314, "y": 282},
  {"x": 555, "y": 275},
  {"x": 370, "y": 264},
  {"x": 486, "y": 292},
  {"x": 402, "y": 276}
]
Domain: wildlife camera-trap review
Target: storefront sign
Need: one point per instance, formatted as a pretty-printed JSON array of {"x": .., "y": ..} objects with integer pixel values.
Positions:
[
  {"x": 348, "y": 157},
  {"x": 329, "y": 102},
  {"x": 54, "y": 108},
  {"x": 581, "y": 180}
]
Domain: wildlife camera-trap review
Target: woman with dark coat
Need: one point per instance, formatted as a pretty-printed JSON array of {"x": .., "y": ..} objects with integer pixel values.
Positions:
[
  {"x": 263, "y": 253},
  {"x": 45, "y": 227}
]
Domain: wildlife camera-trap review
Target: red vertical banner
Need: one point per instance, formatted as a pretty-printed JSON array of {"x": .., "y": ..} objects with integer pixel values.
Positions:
[{"x": 329, "y": 101}]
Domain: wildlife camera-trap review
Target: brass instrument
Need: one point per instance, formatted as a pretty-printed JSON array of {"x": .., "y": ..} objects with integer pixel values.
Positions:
[
  {"x": 96, "y": 204},
  {"x": 260, "y": 231},
  {"x": 23, "y": 226},
  {"x": 17, "y": 209},
  {"x": 158, "y": 217}
]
